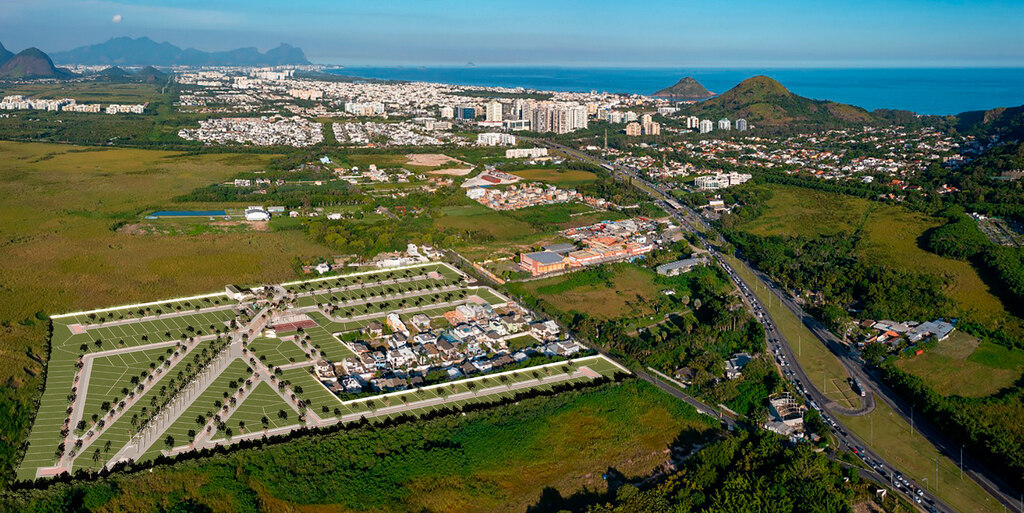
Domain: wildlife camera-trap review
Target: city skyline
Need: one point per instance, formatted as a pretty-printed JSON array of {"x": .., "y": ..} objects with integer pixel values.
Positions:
[{"x": 599, "y": 34}]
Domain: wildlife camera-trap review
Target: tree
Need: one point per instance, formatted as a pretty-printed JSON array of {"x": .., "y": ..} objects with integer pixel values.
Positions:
[{"x": 169, "y": 441}]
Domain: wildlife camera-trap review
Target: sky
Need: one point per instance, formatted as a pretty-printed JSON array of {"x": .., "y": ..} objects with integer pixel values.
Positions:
[{"x": 586, "y": 33}]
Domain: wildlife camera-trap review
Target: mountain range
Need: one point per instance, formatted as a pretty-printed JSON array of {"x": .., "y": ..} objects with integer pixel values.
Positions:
[
  {"x": 29, "y": 63},
  {"x": 686, "y": 89},
  {"x": 143, "y": 51},
  {"x": 764, "y": 101}
]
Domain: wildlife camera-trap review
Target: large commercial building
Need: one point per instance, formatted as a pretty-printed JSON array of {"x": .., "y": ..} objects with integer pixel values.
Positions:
[
  {"x": 542, "y": 262},
  {"x": 526, "y": 153}
]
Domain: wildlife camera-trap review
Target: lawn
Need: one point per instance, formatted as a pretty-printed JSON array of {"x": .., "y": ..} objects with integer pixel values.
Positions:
[
  {"x": 111, "y": 374},
  {"x": 206, "y": 405},
  {"x": 913, "y": 455},
  {"x": 261, "y": 402},
  {"x": 277, "y": 352},
  {"x": 312, "y": 392},
  {"x": 632, "y": 287},
  {"x": 556, "y": 176},
  {"x": 961, "y": 365}
]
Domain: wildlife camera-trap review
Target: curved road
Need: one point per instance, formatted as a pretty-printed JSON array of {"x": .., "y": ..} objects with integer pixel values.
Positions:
[{"x": 867, "y": 378}]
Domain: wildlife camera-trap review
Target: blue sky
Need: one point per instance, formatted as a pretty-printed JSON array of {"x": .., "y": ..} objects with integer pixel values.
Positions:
[{"x": 707, "y": 33}]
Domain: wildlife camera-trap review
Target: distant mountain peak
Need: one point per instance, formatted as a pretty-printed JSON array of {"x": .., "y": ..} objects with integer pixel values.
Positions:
[
  {"x": 143, "y": 51},
  {"x": 686, "y": 89},
  {"x": 5, "y": 54}
]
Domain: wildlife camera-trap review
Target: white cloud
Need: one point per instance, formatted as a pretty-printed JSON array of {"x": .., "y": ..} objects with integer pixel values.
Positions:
[{"x": 117, "y": 18}]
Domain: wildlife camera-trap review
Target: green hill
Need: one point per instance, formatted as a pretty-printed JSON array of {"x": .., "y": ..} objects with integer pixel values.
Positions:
[
  {"x": 31, "y": 63},
  {"x": 5, "y": 54},
  {"x": 686, "y": 89},
  {"x": 763, "y": 101}
]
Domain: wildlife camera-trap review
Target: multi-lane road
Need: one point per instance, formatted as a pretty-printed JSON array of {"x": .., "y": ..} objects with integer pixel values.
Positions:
[{"x": 867, "y": 379}]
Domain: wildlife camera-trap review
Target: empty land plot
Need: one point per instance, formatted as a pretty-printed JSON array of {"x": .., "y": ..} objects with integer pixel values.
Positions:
[
  {"x": 206, "y": 405},
  {"x": 313, "y": 392},
  {"x": 112, "y": 374},
  {"x": 151, "y": 331},
  {"x": 262, "y": 402},
  {"x": 962, "y": 365},
  {"x": 598, "y": 299},
  {"x": 277, "y": 352},
  {"x": 332, "y": 348},
  {"x": 557, "y": 176}
]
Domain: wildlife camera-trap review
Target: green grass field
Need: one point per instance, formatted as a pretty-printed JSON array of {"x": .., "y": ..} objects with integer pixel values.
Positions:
[
  {"x": 560, "y": 177},
  {"x": 261, "y": 402},
  {"x": 962, "y": 365},
  {"x": 205, "y": 405},
  {"x": 313, "y": 393},
  {"x": 913, "y": 455},
  {"x": 277, "y": 352},
  {"x": 86, "y": 92},
  {"x": 628, "y": 295},
  {"x": 111, "y": 374}
]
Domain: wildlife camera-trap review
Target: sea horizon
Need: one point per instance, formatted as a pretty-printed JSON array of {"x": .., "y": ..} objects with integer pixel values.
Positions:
[{"x": 938, "y": 91}]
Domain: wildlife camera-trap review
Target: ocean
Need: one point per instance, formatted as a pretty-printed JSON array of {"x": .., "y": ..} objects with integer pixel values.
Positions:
[{"x": 925, "y": 91}]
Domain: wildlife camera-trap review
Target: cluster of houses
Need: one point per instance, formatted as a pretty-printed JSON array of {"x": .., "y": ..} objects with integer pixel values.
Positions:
[
  {"x": 262, "y": 131},
  {"x": 904, "y": 334},
  {"x": 516, "y": 197},
  {"x": 472, "y": 338},
  {"x": 607, "y": 241}
]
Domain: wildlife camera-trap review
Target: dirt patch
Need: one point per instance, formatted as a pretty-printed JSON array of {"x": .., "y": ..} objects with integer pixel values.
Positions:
[
  {"x": 867, "y": 507},
  {"x": 259, "y": 226},
  {"x": 431, "y": 159},
  {"x": 452, "y": 172}
]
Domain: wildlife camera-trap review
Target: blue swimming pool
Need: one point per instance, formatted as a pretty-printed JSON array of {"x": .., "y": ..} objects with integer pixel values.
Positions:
[{"x": 188, "y": 213}]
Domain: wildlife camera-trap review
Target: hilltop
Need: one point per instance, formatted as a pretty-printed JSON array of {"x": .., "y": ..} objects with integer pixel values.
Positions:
[
  {"x": 143, "y": 51},
  {"x": 1004, "y": 121},
  {"x": 764, "y": 101},
  {"x": 686, "y": 89},
  {"x": 149, "y": 74},
  {"x": 31, "y": 63},
  {"x": 5, "y": 54}
]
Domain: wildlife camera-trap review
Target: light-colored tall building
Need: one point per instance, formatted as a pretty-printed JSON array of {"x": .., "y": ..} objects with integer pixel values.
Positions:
[
  {"x": 692, "y": 122},
  {"x": 724, "y": 124},
  {"x": 492, "y": 111},
  {"x": 706, "y": 125},
  {"x": 741, "y": 124},
  {"x": 633, "y": 129},
  {"x": 447, "y": 112}
]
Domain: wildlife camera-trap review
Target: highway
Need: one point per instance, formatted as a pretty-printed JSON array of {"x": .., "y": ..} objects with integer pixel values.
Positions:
[{"x": 854, "y": 365}]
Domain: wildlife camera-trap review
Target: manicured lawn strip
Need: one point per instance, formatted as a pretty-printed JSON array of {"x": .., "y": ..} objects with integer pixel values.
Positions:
[
  {"x": 521, "y": 341},
  {"x": 332, "y": 348},
  {"x": 913, "y": 455},
  {"x": 261, "y": 402},
  {"x": 277, "y": 352},
  {"x": 816, "y": 360},
  {"x": 313, "y": 392},
  {"x": 110, "y": 374},
  {"x": 156, "y": 330},
  {"x": 237, "y": 371}
]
